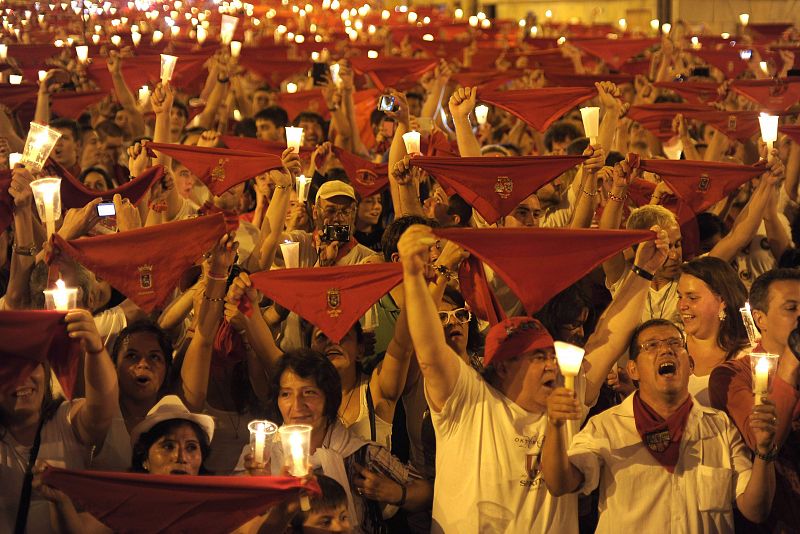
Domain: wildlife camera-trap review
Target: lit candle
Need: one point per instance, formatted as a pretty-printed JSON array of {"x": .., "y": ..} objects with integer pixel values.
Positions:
[
  {"x": 290, "y": 250},
  {"x": 769, "y": 131},
  {"x": 665, "y": 28},
  {"x": 95, "y": 39},
  {"x": 236, "y": 48},
  {"x": 47, "y": 195},
  {"x": 481, "y": 113},
  {"x": 623, "y": 24},
  {"x": 335, "y": 77},
  {"x": 458, "y": 12},
  {"x": 591, "y": 123},
  {"x": 372, "y": 54},
  {"x": 62, "y": 298},
  {"x": 261, "y": 434},
  {"x": 761, "y": 387},
  {"x": 548, "y": 14},
  {"x": 261, "y": 442},
  {"x": 116, "y": 40},
  {"x": 750, "y": 325},
  {"x": 654, "y": 24},
  {"x": 38, "y": 145},
  {"x": 227, "y": 28},
  {"x": 144, "y": 95},
  {"x": 302, "y": 188},
  {"x": 42, "y": 75},
  {"x": 473, "y": 21},
  {"x": 295, "y": 443},
  {"x": 167, "y": 67},
  {"x": 764, "y": 67},
  {"x": 13, "y": 159},
  {"x": 136, "y": 37},
  {"x": 294, "y": 138},
  {"x": 3, "y": 52},
  {"x": 202, "y": 33},
  {"x": 15, "y": 79},
  {"x": 83, "y": 52},
  {"x": 291, "y": 87},
  {"x": 298, "y": 457},
  {"x": 744, "y": 18},
  {"x": 157, "y": 36},
  {"x": 570, "y": 358},
  {"x": 412, "y": 142}
]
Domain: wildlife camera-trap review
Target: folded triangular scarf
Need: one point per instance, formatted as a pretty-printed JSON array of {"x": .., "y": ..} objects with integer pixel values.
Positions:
[
  {"x": 30, "y": 338},
  {"x": 771, "y": 95},
  {"x": 657, "y": 118},
  {"x": 389, "y": 71},
  {"x": 219, "y": 168},
  {"x": 725, "y": 59},
  {"x": 296, "y": 103},
  {"x": 487, "y": 79},
  {"x": 769, "y": 31},
  {"x": 146, "y": 69},
  {"x": 791, "y": 131},
  {"x": 477, "y": 293},
  {"x": 701, "y": 184},
  {"x": 71, "y": 104},
  {"x": 146, "y": 264},
  {"x": 6, "y": 200},
  {"x": 494, "y": 187},
  {"x": 538, "y": 263},
  {"x": 13, "y": 96},
  {"x": 367, "y": 178},
  {"x": 76, "y": 195},
  {"x": 140, "y": 502},
  {"x": 615, "y": 52},
  {"x": 251, "y": 144},
  {"x": 331, "y": 298},
  {"x": 737, "y": 125},
  {"x": 564, "y": 78},
  {"x": 692, "y": 92},
  {"x": 538, "y": 107}
]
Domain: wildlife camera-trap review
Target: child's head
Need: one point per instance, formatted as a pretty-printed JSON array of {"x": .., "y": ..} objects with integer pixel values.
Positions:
[{"x": 328, "y": 511}]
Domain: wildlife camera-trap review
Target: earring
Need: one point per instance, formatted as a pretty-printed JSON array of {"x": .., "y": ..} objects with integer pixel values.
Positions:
[
  {"x": 146, "y": 465},
  {"x": 722, "y": 315}
]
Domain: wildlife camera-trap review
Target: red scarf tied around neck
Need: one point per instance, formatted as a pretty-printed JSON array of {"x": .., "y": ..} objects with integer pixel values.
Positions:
[{"x": 662, "y": 437}]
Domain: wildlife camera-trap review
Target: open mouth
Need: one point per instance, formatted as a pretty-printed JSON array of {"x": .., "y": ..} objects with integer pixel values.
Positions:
[
  {"x": 178, "y": 472},
  {"x": 550, "y": 383},
  {"x": 23, "y": 393},
  {"x": 667, "y": 369},
  {"x": 142, "y": 380}
]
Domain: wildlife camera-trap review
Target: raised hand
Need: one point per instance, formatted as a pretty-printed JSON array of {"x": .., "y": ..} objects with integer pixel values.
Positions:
[
  {"x": 562, "y": 406},
  {"x": 414, "y": 248},
  {"x": 651, "y": 255},
  {"x": 462, "y": 102}
]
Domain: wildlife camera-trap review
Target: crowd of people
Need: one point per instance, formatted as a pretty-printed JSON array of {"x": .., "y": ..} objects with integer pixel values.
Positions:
[{"x": 383, "y": 282}]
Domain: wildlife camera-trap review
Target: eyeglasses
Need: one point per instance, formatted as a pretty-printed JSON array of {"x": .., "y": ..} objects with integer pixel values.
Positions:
[
  {"x": 330, "y": 213},
  {"x": 460, "y": 316},
  {"x": 674, "y": 343}
]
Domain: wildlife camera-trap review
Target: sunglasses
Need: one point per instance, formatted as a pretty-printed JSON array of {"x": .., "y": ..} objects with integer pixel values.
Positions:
[{"x": 460, "y": 316}]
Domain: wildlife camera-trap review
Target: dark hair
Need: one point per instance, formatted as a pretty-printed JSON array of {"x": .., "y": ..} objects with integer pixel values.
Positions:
[
  {"x": 559, "y": 132},
  {"x": 759, "y": 291},
  {"x": 710, "y": 224},
  {"x": 613, "y": 158},
  {"x": 565, "y": 309},
  {"x": 63, "y": 123},
  {"x": 312, "y": 365},
  {"x": 577, "y": 146},
  {"x": 723, "y": 281},
  {"x": 194, "y": 130},
  {"x": 474, "y": 337},
  {"x": 310, "y": 116},
  {"x": 141, "y": 448},
  {"x": 99, "y": 170},
  {"x": 108, "y": 128},
  {"x": 182, "y": 108},
  {"x": 458, "y": 206},
  {"x": 512, "y": 149},
  {"x": 414, "y": 94},
  {"x": 245, "y": 128},
  {"x": 393, "y": 232},
  {"x": 332, "y": 495},
  {"x": 633, "y": 346},
  {"x": 376, "y": 117},
  {"x": 275, "y": 114},
  {"x": 144, "y": 327}
]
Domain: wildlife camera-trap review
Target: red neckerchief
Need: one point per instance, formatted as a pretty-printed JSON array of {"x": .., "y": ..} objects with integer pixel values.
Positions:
[{"x": 662, "y": 437}]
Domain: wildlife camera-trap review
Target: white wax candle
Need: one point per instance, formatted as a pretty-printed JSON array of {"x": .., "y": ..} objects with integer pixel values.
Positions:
[
  {"x": 412, "y": 142},
  {"x": 167, "y": 67},
  {"x": 753, "y": 335},
  {"x": 294, "y": 138},
  {"x": 144, "y": 94},
  {"x": 260, "y": 442},
  {"x": 481, "y": 113},
  {"x": 236, "y": 48},
  {"x": 591, "y": 123},
  {"x": 136, "y": 38},
  {"x": 291, "y": 254},
  {"x": 762, "y": 379},
  {"x": 298, "y": 456},
  {"x": 3, "y": 52},
  {"x": 14, "y": 79},
  {"x": 157, "y": 36},
  {"x": 302, "y": 188}
]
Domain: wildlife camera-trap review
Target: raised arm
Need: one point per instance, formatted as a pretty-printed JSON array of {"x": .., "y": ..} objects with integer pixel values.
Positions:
[
  {"x": 612, "y": 215},
  {"x": 91, "y": 419},
  {"x": 402, "y": 177},
  {"x": 197, "y": 362},
  {"x": 25, "y": 244},
  {"x": 461, "y": 104},
  {"x": 586, "y": 204},
  {"x": 437, "y": 361},
  {"x": 124, "y": 95},
  {"x": 612, "y": 335}
]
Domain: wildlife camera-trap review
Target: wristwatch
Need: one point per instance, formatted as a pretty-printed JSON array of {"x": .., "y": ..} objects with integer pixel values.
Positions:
[{"x": 25, "y": 251}]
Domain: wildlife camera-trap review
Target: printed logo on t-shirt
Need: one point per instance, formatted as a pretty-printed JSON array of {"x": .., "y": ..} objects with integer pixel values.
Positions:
[{"x": 531, "y": 446}]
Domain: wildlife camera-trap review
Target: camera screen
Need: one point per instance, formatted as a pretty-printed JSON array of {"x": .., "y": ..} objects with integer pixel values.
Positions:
[
  {"x": 106, "y": 209},
  {"x": 386, "y": 103}
]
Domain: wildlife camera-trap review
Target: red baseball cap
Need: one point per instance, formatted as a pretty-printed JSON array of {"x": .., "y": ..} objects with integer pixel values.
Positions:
[{"x": 515, "y": 336}]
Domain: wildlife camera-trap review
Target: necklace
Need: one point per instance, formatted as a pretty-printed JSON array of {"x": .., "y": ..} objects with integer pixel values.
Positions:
[
  {"x": 662, "y": 304},
  {"x": 347, "y": 404}
]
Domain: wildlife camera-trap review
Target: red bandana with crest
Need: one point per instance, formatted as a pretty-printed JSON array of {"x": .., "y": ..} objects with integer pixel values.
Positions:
[{"x": 662, "y": 437}]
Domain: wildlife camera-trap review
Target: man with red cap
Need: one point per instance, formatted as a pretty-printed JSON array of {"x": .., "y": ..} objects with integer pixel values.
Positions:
[
  {"x": 691, "y": 458},
  {"x": 490, "y": 432}
]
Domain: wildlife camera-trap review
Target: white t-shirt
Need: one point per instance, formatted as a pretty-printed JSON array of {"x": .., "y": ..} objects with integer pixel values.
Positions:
[
  {"x": 116, "y": 453},
  {"x": 487, "y": 465},
  {"x": 59, "y": 447},
  {"x": 662, "y": 303},
  {"x": 637, "y": 494}
]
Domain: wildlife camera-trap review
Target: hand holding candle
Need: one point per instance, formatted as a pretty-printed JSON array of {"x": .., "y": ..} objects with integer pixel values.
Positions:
[
  {"x": 570, "y": 358},
  {"x": 412, "y": 142},
  {"x": 38, "y": 145},
  {"x": 47, "y": 195},
  {"x": 62, "y": 298},
  {"x": 167, "y": 67},
  {"x": 769, "y": 131},
  {"x": 763, "y": 366},
  {"x": 295, "y": 441},
  {"x": 261, "y": 435},
  {"x": 294, "y": 138},
  {"x": 591, "y": 123}
]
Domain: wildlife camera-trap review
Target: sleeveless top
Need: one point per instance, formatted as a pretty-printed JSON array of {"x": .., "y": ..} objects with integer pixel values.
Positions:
[{"x": 361, "y": 426}]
